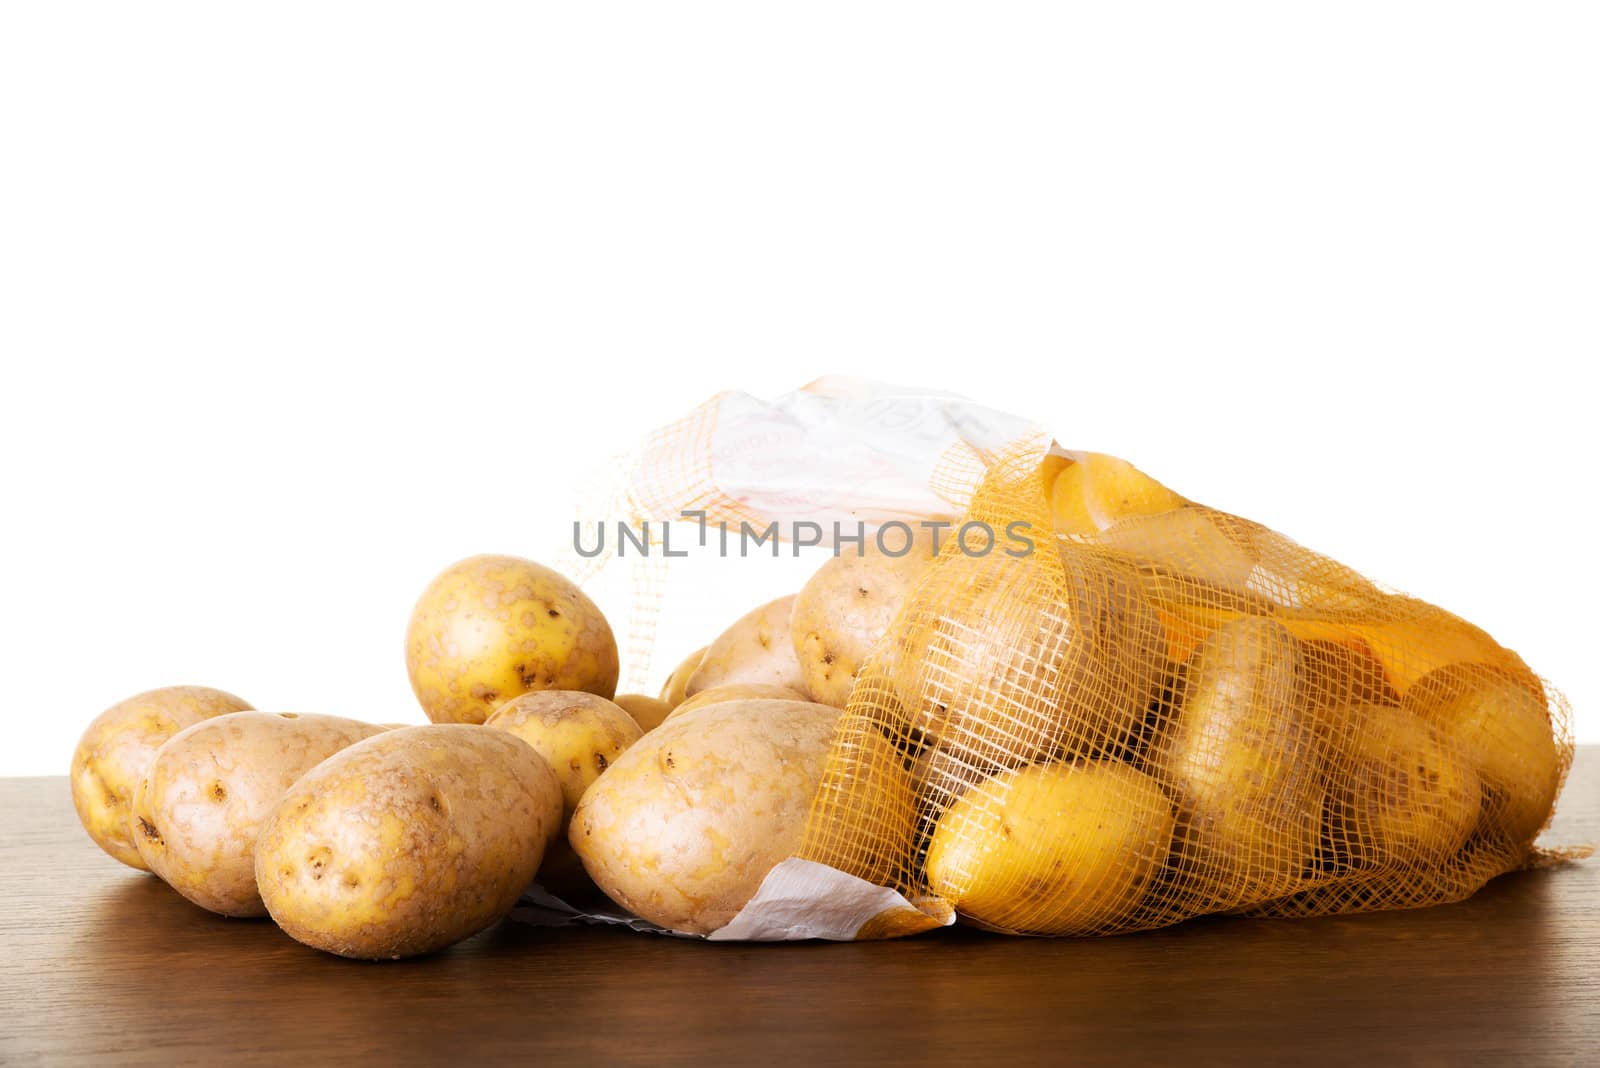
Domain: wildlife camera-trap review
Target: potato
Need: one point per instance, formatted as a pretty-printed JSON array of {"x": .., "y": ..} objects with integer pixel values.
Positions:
[
  {"x": 407, "y": 842},
  {"x": 756, "y": 651},
  {"x": 684, "y": 826},
  {"x": 842, "y": 613},
  {"x": 1005, "y": 668},
  {"x": 647, "y": 712},
  {"x": 871, "y": 831},
  {"x": 719, "y": 695},
  {"x": 203, "y": 798},
  {"x": 1344, "y": 673},
  {"x": 1246, "y": 758},
  {"x": 579, "y": 735},
  {"x": 1052, "y": 848},
  {"x": 1413, "y": 647},
  {"x": 1194, "y": 541},
  {"x": 672, "y": 692},
  {"x": 1099, "y": 490},
  {"x": 117, "y": 748},
  {"x": 1501, "y": 722},
  {"x": 1402, "y": 793},
  {"x": 492, "y": 627}
]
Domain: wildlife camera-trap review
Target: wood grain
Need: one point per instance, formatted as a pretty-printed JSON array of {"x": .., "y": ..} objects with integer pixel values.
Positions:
[{"x": 103, "y": 965}]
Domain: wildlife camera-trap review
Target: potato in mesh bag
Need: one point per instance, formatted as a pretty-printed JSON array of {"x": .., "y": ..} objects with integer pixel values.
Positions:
[
  {"x": 1008, "y": 660},
  {"x": 1245, "y": 755}
]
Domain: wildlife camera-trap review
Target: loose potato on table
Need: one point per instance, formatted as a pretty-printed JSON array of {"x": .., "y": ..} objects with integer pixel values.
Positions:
[
  {"x": 409, "y": 841},
  {"x": 1052, "y": 848},
  {"x": 116, "y": 749},
  {"x": 579, "y": 735},
  {"x": 492, "y": 627},
  {"x": 647, "y": 712},
  {"x": 756, "y": 650},
  {"x": 672, "y": 691},
  {"x": 200, "y": 806},
  {"x": 1501, "y": 722},
  {"x": 685, "y": 825},
  {"x": 843, "y": 612},
  {"x": 1246, "y": 758}
]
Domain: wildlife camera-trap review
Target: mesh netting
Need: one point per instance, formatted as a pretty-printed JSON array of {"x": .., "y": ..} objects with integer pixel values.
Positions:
[{"x": 1164, "y": 711}]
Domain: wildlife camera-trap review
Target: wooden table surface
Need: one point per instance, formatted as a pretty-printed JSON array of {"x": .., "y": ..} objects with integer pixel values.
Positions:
[{"x": 104, "y": 965}]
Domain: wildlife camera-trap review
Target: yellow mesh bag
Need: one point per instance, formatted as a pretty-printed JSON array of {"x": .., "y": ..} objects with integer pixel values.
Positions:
[{"x": 1163, "y": 711}]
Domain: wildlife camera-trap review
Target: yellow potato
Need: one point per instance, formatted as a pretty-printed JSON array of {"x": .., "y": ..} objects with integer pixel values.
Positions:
[
  {"x": 1005, "y": 668},
  {"x": 1501, "y": 723},
  {"x": 684, "y": 826},
  {"x": 201, "y": 803},
  {"x": 842, "y": 613},
  {"x": 1344, "y": 673},
  {"x": 1193, "y": 541},
  {"x": 1402, "y": 793},
  {"x": 579, "y": 735},
  {"x": 720, "y": 695},
  {"x": 1246, "y": 758},
  {"x": 492, "y": 627},
  {"x": 116, "y": 749},
  {"x": 866, "y": 777},
  {"x": 1052, "y": 849},
  {"x": 407, "y": 842},
  {"x": 755, "y": 651},
  {"x": 1099, "y": 490},
  {"x": 1413, "y": 647},
  {"x": 647, "y": 712},
  {"x": 673, "y": 691}
]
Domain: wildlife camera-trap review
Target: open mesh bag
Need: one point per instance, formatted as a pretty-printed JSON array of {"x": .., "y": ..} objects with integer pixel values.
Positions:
[{"x": 1162, "y": 711}]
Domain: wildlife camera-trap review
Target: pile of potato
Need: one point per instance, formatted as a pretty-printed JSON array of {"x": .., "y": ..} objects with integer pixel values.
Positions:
[
  {"x": 384, "y": 841},
  {"x": 1112, "y": 753}
]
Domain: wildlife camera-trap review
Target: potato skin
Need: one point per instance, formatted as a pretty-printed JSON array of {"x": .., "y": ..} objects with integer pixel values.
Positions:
[
  {"x": 842, "y": 613},
  {"x": 1052, "y": 849},
  {"x": 647, "y": 711},
  {"x": 738, "y": 691},
  {"x": 578, "y": 734},
  {"x": 756, "y": 650},
  {"x": 489, "y": 628},
  {"x": 116, "y": 749},
  {"x": 407, "y": 842},
  {"x": 1098, "y": 490},
  {"x": 1501, "y": 722},
  {"x": 685, "y": 825},
  {"x": 200, "y": 806},
  {"x": 1038, "y": 662},
  {"x": 1402, "y": 792},
  {"x": 1246, "y": 757}
]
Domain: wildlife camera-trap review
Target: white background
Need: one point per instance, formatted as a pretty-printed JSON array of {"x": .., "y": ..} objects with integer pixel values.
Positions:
[{"x": 299, "y": 303}]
